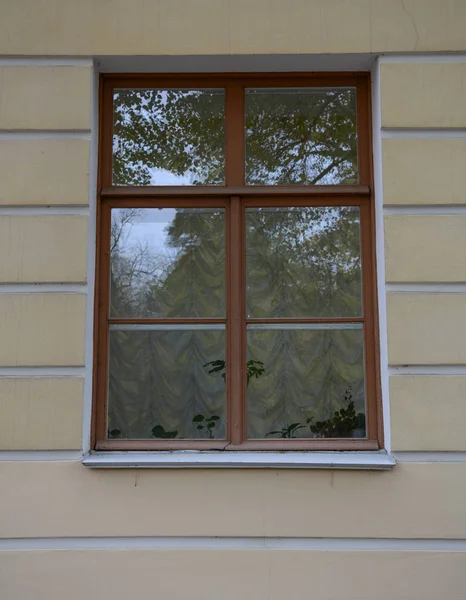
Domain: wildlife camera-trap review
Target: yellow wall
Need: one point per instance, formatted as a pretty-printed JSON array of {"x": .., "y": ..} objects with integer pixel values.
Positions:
[
  {"x": 415, "y": 515},
  {"x": 100, "y": 27}
]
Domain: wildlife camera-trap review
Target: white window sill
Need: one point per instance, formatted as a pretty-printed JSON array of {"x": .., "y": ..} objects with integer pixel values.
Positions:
[{"x": 187, "y": 459}]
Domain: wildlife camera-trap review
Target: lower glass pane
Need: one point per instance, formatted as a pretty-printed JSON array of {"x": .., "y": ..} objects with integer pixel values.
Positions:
[
  {"x": 305, "y": 381},
  {"x": 161, "y": 385}
]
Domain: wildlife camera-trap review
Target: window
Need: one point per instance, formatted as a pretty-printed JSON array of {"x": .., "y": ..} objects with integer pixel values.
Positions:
[{"x": 235, "y": 275}]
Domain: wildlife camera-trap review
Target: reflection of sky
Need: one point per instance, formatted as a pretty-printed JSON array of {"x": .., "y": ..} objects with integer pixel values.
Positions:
[
  {"x": 151, "y": 229},
  {"x": 164, "y": 177}
]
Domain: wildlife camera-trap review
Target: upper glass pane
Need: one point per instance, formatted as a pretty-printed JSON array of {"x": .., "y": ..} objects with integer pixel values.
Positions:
[
  {"x": 168, "y": 137},
  {"x": 303, "y": 261},
  {"x": 301, "y": 136},
  {"x": 167, "y": 262}
]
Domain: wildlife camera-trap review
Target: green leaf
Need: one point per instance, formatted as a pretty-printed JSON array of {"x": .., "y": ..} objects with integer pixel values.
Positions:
[
  {"x": 198, "y": 418},
  {"x": 114, "y": 433},
  {"x": 293, "y": 426},
  {"x": 158, "y": 431}
]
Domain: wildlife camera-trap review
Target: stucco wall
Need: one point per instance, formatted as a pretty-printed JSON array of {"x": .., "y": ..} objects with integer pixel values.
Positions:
[{"x": 363, "y": 535}]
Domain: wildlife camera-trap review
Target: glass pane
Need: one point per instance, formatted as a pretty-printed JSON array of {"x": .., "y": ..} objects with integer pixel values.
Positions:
[
  {"x": 167, "y": 263},
  {"x": 160, "y": 386},
  {"x": 301, "y": 136},
  {"x": 303, "y": 262},
  {"x": 301, "y": 378},
  {"x": 168, "y": 137}
]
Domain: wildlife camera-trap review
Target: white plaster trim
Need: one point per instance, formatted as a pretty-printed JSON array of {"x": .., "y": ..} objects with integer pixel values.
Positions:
[
  {"x": 233, "y": 460},
  {"x": 430, "y": 457},
  {"x": 45, "y": 134},
  {"x": 40, "y": 455},
  {"x": 427, "y": 288},
  {"x": 395, "y": 370},
  {"x": 43, "y": 288},
  {"x": 44, "y": 372},
  {"x": 424, "y": 133},
  {"x": 380, "y": 252},
  {"x": 426, "y": 57},
  {"x": 91, "y": 259},
  {"x": 44, "y": 61},
  {"x": 425, "y": 209},
  {"x": 233, "y": 543}
]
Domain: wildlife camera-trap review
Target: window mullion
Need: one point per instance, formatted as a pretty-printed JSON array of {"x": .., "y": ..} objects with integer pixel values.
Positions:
[
  {"x": 235, "y": 379},
  {"x": 235, "y": 136}
]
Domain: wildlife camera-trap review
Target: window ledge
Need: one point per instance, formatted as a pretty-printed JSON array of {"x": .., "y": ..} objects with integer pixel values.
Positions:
[{"x": 187, "y": 459}]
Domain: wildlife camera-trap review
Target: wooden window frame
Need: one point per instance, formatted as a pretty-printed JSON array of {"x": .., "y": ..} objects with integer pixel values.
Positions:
[{"x": 234, "y": 197}]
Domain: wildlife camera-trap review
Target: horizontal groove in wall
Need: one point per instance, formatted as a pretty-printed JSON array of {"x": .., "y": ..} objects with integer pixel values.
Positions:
[
  {"x": 424, "y": 209},
  {"x": 49, "y": 210},
  {"x": 430, "y": 457},
  {"x": 45, "y": 61},
  {"x": 423, "y": 57},
  {"x": 422, "y": 133},
  {"x": 42, "y": 371},
  {"x": 43, "y": 288},
  {"x": 234, "y": 543},
  {"x": 45, "y": 134},
  {"x": 427, "y": 370},
  {"x": 427, "y": 288},
  {"x": 40, "y": 455}
]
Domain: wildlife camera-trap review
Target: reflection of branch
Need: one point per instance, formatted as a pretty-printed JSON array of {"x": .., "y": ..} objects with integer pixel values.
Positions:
[
  {"x": 331, "y": 166},
  {"x": 127, "y": 216}
]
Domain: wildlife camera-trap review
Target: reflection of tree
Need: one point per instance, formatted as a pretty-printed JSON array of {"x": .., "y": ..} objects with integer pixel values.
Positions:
[
  {"x": 303, "y": 262},
  {"x": 292, "y": 136},
  {"x": 178, "y": 131},
  {"x": 301, "y": 136},
  {"x": 132, "y": 265}
]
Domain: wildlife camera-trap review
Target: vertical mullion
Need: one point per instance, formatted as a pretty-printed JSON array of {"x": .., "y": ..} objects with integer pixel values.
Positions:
[
  {"x": 235, "y": 369},
  {"x": 235, "y": 177},
  {"x": 235, "y": 140}
]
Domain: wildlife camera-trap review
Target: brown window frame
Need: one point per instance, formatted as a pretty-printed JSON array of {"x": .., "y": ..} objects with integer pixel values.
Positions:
[{"x": 234, "y": 196}]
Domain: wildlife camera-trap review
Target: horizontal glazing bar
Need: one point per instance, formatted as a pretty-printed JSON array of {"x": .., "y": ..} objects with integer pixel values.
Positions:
[
  {"x": 286, "y": 320},
  {"x": 167, "y": 327},
  {"x": 203, "y": 191},
  {"x": 301, "y": 326},
  {"x": 167, "y": 321}
]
